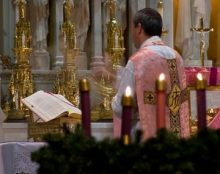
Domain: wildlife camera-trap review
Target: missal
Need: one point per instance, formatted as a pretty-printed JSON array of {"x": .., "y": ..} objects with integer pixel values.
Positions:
[{"x": 48, "y": 106}]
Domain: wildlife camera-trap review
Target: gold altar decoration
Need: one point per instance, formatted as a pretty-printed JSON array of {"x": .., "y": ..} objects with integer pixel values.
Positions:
[
  {"x": 21, "y": 84},
  {"x": 211, "y": 112},
  {"x": 104, "y": 111},
  {"x": 115, "y": 40},
  {"x": 202, "y": 31},
  {"x": 67, "y": 82},
  {"x": 6, "y": 62},
  {"x": 115, "y": 50},
  {"x": 38, "y": 130}
]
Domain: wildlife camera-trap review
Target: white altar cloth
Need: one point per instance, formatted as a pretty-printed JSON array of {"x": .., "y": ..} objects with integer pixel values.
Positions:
[{"x": 15, "y": 157}]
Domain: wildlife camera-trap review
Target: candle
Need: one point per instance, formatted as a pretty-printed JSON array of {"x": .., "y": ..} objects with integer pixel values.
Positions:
[
  {"x": 65, "y": 9},
  {"x": 127, "y": 102},
  {"x": 85, "y": 106},
  {"x": 64, "y": 40},
  {"x": 201, "y": 101},
  {"x": 116, "y": 40},
  {"x": 160, "y": 8},
  {"x": 23, "y": 39},
  {"x": 161, "y": 102}
]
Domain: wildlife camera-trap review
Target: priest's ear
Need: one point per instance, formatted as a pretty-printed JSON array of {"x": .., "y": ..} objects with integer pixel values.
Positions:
[{"x": 139, "y": 28}]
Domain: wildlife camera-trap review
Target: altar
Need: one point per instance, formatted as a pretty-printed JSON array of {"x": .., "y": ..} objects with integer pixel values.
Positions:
[{"x": 19, "y": 131}]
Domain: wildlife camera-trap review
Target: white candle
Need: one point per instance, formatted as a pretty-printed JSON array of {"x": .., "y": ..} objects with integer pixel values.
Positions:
[
  {"x": 116, "y": 41},
  {"x": 23, "y": 39},
  {"x": 64, "y": 40}
]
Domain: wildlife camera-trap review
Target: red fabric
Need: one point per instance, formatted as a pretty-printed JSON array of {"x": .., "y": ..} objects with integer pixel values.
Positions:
[{"x": 212, "y": 77}]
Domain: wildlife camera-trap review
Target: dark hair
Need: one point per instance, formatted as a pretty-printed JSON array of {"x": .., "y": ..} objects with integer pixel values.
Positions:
[{"x": 150, "y": 21}]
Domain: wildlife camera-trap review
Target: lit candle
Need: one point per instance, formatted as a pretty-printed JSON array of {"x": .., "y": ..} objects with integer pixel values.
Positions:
[
  {"x": 127, "y": 102},
  {"x": 85, "y": 106},
  {"x": 201, "y": 101},
  {"x": 161, "y": 102}
]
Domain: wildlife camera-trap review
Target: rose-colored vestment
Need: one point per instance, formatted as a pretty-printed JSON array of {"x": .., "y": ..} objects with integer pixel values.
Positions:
[{"x": 148, "y": 65}]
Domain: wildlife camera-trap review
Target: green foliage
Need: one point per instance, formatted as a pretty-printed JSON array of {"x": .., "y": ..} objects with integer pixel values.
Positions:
[{"x": 164, "y": 154}]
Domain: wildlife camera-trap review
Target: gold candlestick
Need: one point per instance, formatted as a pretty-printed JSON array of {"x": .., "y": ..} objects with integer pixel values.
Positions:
[
  {"x": 202, "y": 31},
  {"x": 115, "y": 40},
  {"x": 67, "y": 81},
  {"x": 21, "y": 84}
]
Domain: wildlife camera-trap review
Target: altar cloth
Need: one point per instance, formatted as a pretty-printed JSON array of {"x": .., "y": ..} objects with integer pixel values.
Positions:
[
  {"x": 15, "y": 157},
  {"x": 210, "y": 74}
]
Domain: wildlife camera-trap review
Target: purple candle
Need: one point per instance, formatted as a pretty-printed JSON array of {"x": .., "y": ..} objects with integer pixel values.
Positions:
[
  {"x": 201, "y": 101},
  {"x": 85, "y": 106},
  {"x": 126, "y": 115}
]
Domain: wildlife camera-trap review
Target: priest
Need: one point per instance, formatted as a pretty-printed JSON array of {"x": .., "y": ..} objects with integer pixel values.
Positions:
[{"x": 143, "y": 68}]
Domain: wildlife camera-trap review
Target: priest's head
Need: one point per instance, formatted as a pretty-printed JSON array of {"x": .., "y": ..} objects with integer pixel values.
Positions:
[{"x": 146, "y": 23}]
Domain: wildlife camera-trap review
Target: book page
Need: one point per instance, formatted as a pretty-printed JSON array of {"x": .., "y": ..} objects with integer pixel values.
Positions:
[
  {"x": 36, "y": 118},
  {"x": 67, "y": 105},
  {"x": 44, "y": 105}
]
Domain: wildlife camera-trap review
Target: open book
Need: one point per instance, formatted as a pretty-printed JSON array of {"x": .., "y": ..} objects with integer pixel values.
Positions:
[{"x": 48, "y": 106}]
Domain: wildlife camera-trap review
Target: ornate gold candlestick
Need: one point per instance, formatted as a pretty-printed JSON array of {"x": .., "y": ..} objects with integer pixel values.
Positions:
[
  {"x": 115, "y": 49},
  {"x": 104, "y": 111},
  {"x": 67, "y": 82},
  {"x": 202, "y": 31},
  {"x": 21, "y": 84},
  {"x": 115, "y": 40}
]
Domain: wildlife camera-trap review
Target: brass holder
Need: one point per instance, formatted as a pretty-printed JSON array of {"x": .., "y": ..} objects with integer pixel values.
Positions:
[
  {"x": 193, "y": 126},
  {"x": 67, "y": 82},
  {"x": 202, "y": 31},
  {"x": 21, "y": 84}
]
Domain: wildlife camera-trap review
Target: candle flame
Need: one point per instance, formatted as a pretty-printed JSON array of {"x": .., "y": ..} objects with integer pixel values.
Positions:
[
  {"x": 199, "y": 76},
  {"x": 162, "y": 77},
  {"x": 128, "y": 91}
]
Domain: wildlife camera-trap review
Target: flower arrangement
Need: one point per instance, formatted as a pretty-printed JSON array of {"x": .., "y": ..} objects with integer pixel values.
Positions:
[{"x": 165, "y": 153}]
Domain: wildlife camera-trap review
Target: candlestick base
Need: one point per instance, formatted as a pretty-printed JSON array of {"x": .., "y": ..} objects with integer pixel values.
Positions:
[
  {"x": 99, "y": 113},
  {"x": 126, "y": 139}
]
